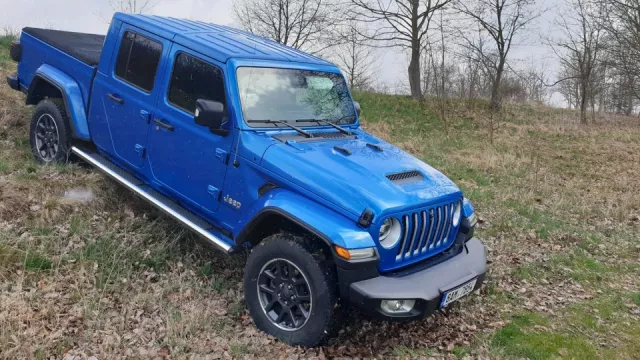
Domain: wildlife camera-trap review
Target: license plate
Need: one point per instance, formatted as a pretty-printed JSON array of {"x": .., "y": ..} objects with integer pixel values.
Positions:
[{"x": 457, "y": 293}]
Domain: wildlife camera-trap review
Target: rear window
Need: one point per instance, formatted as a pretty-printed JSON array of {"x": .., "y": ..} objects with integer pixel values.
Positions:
[
  {"x": 138, "y": 60},
  {"x": 193, "y": 79}
]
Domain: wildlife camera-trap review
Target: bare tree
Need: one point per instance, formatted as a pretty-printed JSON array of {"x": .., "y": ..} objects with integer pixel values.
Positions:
[
  {"x": 401, "y": 23},
  {"x": 133, "y": 6},
  {"x": 535, "y": 80},
  {"x": 440, "y": 68},
  {"x": 503, "y": 21},
  {"x": 356, "y": 57},
  {"x": 621, "y": 21},
  {"x": 580, "y": 48},
  {"x": 302, "y": 24},
  {"x": 470, "y": 77}
]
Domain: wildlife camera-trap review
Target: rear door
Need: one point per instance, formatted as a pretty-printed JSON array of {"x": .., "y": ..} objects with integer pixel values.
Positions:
[
  {"x": 128, "y": 92},
  {"x": 187, "y": 159}
]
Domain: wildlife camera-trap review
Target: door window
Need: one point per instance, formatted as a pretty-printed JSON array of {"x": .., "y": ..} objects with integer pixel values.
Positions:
[
  {"x": 193, "y": 79},
  {"x": 138, "y": 60}
]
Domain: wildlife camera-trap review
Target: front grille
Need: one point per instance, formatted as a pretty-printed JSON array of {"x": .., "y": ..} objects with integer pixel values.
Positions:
[
  {"x": 426, "y": 232},
  {"x": 405, "y": 177}
]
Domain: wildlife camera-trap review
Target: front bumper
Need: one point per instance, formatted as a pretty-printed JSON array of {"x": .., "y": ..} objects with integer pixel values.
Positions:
[{"x": 426, "y": 286}]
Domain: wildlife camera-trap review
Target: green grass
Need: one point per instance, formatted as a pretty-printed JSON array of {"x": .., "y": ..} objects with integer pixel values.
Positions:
[
  {"x": 522, "y": 339},
  {"x": 577, "y": 265},
  {"x": 4, "y": 168},
  {"x": 37, "y": 262},
  {"x": 42, "y": 230},
  {"x": 5, "y": 43},
  {"x": 597, "y": 315},
  {"x": 581, "y": 331},
  {"x": 581, "y": 267},
  {"x": 409, "y": 352},
  {"x": 542, "y": 222},
  {"x": 117, "y": 259},
  {"x": 77, "y": 225},
  {"x": 238, "y": 350}
]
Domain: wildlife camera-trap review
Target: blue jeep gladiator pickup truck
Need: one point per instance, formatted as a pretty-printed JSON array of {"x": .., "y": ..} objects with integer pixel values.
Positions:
[{"x": 257, "y": 147}]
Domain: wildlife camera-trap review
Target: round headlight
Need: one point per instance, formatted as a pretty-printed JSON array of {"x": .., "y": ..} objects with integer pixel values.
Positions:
[
  {"x": 390, "y": 232},
  {"x": 456, "y": 214}
]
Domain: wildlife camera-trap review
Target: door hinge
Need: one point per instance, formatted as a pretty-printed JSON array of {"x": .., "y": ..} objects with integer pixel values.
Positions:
[
  {"x": 222, "y": 156},
  {"x": 145, "y": 115},
  {"x": 213, "y": 191},
  {"x": 141, "y": 150}
]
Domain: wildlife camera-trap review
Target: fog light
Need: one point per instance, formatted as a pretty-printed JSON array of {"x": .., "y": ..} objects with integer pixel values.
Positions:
[{"x": 397, "y": 306}]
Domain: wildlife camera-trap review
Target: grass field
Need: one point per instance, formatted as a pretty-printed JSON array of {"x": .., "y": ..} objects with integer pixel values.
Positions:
[{"x": 87, "y": 269}]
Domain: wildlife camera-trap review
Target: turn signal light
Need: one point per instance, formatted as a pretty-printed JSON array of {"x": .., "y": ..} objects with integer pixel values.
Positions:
[
  {"x": 343, "y": 253},
  {"x": 355, "y": 254}
]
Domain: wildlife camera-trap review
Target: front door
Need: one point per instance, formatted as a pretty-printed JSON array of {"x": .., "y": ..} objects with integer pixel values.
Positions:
[
  {"x": 187, "y": 159},
  {"x": 129, "y": 92}
]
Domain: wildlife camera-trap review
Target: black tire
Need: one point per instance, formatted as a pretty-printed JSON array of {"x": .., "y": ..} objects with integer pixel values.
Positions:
[
  {"x": 49, "y": 134},
  {"x": 312, "y": 261}
]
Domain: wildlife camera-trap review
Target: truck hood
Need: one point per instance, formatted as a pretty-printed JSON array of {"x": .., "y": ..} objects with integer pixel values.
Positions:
[{"x": 358, "y": 180}]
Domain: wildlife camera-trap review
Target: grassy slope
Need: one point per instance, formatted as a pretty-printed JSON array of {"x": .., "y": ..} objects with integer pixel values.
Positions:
[{"x": 560, "y": 214}]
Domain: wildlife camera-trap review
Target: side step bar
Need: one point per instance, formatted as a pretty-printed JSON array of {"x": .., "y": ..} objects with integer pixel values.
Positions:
[{"x": 160, "y": 201}]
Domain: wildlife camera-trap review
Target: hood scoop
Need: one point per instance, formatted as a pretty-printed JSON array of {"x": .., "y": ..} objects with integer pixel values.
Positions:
[
  {"x": 324, "y": 135},
  {"x": 406, "y": 177}
]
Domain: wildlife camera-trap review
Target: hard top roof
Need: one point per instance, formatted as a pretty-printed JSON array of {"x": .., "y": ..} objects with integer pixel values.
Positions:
[{"x": 220, "y": 42}]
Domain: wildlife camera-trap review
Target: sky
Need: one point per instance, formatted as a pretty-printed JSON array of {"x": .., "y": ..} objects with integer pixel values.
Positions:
[{"x": 93, "y": 16}]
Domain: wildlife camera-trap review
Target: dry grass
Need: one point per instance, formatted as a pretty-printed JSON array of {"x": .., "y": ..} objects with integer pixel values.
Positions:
[{"x": 105, "y": 275}]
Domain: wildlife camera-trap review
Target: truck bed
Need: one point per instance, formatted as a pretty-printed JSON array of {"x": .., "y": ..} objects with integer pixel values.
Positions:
[
  {"x": 84, "y": 47},
  {"x": 75, "y": 54}
]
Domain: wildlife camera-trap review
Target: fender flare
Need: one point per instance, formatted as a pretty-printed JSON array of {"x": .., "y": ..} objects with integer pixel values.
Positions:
[
  {"x": 326, "y": 224},
  {"x": 71, "y": 95}
]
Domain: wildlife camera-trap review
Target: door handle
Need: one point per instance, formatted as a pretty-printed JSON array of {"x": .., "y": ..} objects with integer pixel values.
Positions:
[
  {"x": 115, "y": 99},
  {"x": 164, "y": 125}
]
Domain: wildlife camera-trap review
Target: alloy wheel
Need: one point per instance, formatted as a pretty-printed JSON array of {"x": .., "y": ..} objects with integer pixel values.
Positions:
[
  {"x": 285, "y": 294},
  {"x": 47, "y": 138}
]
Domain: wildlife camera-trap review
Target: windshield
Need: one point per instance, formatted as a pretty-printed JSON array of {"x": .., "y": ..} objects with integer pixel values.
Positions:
[{"x": 296, "y": 96}]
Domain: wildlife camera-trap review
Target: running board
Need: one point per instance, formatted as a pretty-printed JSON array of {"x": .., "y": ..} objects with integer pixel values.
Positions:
[{"x": 158, "y": 200}]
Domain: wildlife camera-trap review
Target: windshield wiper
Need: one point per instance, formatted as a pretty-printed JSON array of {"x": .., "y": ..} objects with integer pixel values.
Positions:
[
  {"x": 327, "y": 122},
  {"x": 306, "y": 134}
]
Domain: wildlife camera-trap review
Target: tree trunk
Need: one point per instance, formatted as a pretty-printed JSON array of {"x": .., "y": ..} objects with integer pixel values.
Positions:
[
  {"x": 601, "y": 104},
  {"x": 414, "y": 71},
  {"x": 496, "y": 98},
  {"x": 629, "y": 105},
  {"x": 583, "y": 104}
]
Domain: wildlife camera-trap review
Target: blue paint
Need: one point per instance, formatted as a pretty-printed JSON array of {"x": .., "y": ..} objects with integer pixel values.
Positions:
[
  {"x": 218, "y": 176},
  {"x": 72, "y": 94},
  {"x": 467, "y": 208}
]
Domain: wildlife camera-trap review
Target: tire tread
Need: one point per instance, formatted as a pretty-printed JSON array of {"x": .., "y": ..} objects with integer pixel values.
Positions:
[
  {"x": 317, "y": 253},
  {"x": 56, "y": 108}
]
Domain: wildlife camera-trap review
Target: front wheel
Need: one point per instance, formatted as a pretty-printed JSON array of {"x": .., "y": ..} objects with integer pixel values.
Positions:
[{"x": 290, "y": 289}]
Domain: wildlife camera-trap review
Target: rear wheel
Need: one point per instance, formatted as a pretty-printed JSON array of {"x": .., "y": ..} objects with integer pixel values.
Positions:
[
  {"x": 49, "y": 132},
  {"x": 290, "y": 289}
]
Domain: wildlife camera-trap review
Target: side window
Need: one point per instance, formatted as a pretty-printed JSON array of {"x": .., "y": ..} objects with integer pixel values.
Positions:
[
  {"x": 193, "y": 79},
  {"x": 138, "y": 60}
]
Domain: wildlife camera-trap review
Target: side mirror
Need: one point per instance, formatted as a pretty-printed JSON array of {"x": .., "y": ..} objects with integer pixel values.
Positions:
[
  {"x": 357, "y": 106},
  {"x": 209, "y": 113}
]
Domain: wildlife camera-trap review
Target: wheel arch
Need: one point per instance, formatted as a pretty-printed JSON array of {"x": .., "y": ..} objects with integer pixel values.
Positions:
[
  {"x": 49, "y": 82},
  {"x": 272, "y": 220},
  {"x": 285, "y": 210}
]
